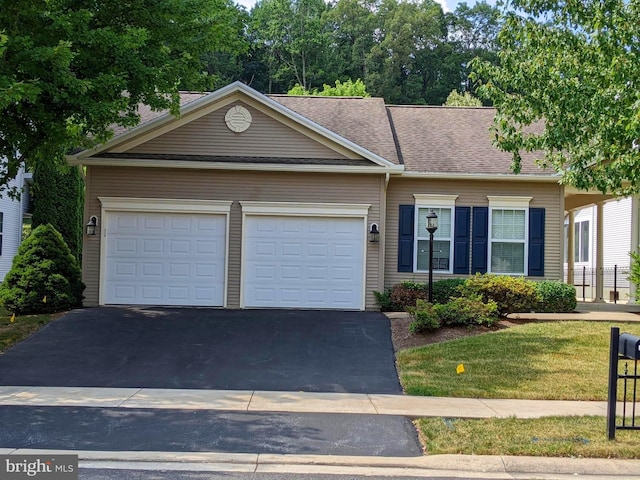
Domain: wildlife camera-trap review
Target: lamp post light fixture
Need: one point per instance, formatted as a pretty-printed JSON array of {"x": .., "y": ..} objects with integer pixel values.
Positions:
[
  {"x": 432, "y": 226},
  {"x": 91, "y": 226},
  {"x": 374, "y": 233}
]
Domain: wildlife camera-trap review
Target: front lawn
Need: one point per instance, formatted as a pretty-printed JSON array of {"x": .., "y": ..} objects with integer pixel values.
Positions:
[
  {"x": 548, "y": 437},
  {"x": 546, "y": 360},
  {"x": 23, "y": 326}
]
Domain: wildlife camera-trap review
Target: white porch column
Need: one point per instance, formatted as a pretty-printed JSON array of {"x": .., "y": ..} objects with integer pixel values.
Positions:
[
  {"x": 599, "y": 253},
  {"x": 571, "y": 247},
  {"x": 635, "y": 240}
]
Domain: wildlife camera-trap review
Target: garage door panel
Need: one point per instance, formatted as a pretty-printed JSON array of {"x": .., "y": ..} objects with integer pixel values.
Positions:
[
  {"x": 165, "y": 259},
  {"x": 299, "y": 262}
]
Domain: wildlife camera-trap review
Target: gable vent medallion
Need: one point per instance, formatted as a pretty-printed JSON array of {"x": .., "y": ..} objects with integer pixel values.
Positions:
[{"x": 238, "y": 119}]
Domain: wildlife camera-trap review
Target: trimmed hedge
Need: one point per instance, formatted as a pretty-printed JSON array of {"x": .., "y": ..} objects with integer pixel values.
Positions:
[
  {"x": 511, "y": 294},
  {"x": 556, "y": 297}
]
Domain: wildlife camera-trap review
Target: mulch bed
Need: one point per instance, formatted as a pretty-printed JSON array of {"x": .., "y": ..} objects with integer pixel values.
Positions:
[{"x": 402, "y": 338}]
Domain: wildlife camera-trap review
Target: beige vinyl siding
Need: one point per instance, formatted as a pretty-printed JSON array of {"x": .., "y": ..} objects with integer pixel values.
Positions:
[
  {"x": 470, "y": 194},
  {"x": 229, "y": 186},
  {"x": 209, "y": 135}
]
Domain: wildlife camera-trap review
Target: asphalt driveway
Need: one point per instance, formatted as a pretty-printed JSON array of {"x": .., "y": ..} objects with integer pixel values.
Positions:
[{"x": 277, "y": 350}]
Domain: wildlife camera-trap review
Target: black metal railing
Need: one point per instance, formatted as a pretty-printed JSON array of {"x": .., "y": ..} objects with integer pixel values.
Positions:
[
  {"x": 623, "y": 348},
  {"x": 615, "y": 280}
]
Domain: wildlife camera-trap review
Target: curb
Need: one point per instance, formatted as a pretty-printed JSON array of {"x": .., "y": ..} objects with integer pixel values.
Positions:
[{"x": 493, "y": 466}]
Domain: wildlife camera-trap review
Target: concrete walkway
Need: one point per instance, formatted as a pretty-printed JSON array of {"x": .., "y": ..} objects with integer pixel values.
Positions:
[
  {"x": 295, "y": 402},
  {"x": 591, "y": 316}
]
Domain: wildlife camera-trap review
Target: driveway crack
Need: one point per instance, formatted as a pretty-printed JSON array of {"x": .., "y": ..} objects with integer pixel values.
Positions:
[
  {"x": 130, "y": 397},
  {"x": 250, "y": 400}
]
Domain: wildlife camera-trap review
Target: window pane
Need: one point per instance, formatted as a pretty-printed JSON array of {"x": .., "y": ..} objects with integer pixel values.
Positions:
[
  {"x": 576, "y": 242},
  {"x": 507, "y": 257},
  {"x": 441, "y": 251},
  {"x": 444, "y": 222},
  {"x": 507, "y": 224},
  {"x": 584, "y": 239}
]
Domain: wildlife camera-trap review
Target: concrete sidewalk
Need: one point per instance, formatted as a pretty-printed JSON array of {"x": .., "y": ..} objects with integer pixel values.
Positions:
[{"x": 295, "y": 402}]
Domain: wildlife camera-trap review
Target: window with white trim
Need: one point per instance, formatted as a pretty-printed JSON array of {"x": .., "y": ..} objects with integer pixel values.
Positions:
[
  {"x": 1, "y": 230},
  {"x": 443, "y": 206},
  {"x": 508, "y": 235},
  {"x": 581, "y": 241}
]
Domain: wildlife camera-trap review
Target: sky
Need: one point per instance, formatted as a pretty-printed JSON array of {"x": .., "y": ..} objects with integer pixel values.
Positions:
[{"x": 447, "y": 5}]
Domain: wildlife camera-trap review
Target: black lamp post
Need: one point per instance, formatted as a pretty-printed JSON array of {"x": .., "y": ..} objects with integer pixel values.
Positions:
[{"x": 432, "y": 226}]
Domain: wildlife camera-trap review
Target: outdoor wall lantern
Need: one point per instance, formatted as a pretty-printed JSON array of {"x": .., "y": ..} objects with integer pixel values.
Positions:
[
  {"x": 374, "y": 233},
  {"x": 91, "y": 226},
  {"x": 432, "y": 226}
]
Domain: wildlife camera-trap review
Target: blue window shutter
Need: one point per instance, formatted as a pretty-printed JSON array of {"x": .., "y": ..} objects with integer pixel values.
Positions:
[
  {"x": 405, "y": 240},
  {"x": 461, "y": 239},
  {"x": 536, "y": 242},
  {"x": 480, "y": 240}
]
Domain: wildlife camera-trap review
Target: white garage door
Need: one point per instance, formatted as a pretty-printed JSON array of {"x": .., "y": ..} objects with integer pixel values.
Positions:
[
  {"x": 165, "y": 259},
  {"x": 303, "y": 262}
]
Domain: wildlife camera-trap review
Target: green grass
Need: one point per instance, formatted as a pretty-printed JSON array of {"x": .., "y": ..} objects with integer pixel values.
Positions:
[
  {"x": 549, "y": 437},
  {"x": 546, "y": 360},
  {"x": 23, "y": 326}
]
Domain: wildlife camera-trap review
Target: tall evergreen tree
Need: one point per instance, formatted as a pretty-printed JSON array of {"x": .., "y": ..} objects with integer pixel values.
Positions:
[{"x": 58, "y": 197}]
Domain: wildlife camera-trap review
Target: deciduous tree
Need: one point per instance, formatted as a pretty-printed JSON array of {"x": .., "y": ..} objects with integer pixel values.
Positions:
[
  {"x": 568, "y": 85},
  {"x": 70, "y": 69}
]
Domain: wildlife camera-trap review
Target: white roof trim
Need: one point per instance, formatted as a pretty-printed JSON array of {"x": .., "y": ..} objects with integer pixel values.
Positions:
[
  {"x": 220, "y": 94},
  {"x": 484, "y": 176},
  {"x": 275, "y": 167}
]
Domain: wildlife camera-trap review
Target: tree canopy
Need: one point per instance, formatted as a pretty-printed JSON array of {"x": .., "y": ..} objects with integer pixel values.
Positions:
[
  {"x": 71, "y": 69},
  {"x": 568, "y": 84},
  {"x": 457, "y": 99},
  {"x": 341, "y": 89}
]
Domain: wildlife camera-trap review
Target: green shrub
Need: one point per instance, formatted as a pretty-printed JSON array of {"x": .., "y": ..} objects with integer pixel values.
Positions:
[
  {"x": 383, "y": 299},
  {"x": 511, "y": 294},
  {"x": 425, "y": 317},
  {"x": 44, "y": 277},
  {"x": 468, "y": 310},
  {"x": 556, "y": 297},
  {"x": 444, "y": 289},
  {"x": 405, "y": 294},
  {"x": 634, "y": 272}
]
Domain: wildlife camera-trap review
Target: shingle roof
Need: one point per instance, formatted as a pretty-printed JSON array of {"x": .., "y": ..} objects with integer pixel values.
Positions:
[
  {"x": 146, "y": 114},
  {"x": 361, "y": 120},
  {"x": 428, "y": 139},
  {"x": 452, "y": 140}
]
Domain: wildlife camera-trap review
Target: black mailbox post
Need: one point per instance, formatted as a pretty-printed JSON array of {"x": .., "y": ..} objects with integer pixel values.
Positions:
[{"x": 626, "y": 348}]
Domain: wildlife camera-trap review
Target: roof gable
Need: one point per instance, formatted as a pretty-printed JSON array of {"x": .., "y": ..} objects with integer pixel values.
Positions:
[{"x": 200, "y": 132}]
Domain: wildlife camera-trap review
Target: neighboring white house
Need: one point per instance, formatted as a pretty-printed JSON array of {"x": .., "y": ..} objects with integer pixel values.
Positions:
[
  {"x": 12, "y": 214},
  {"x": 617, "y": 243}
]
